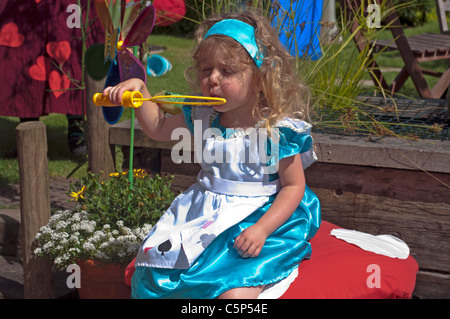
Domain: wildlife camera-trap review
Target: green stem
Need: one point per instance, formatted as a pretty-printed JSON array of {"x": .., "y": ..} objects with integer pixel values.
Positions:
[{"x": 130, "y": 169}]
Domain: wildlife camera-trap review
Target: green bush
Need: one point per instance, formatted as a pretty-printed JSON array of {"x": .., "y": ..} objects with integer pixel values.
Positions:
[{"x": 414, "y": 13}]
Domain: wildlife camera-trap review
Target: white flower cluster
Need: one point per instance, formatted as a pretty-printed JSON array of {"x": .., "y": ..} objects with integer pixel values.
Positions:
[{"x": 71, "y": 235}]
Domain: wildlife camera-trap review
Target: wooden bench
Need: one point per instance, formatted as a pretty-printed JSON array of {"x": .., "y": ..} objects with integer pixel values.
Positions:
[
  {"x": 383, "y": 187},
  {"x": 413, "y": 50}
]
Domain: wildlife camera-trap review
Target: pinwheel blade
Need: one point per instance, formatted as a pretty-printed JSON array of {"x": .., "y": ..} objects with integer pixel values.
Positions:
[
  {"x": 122, "y": 12},
  {"x": 130, "y": 67},
  {"x": 112, "y": 114},
  {"x": 104, "y": 16},
  {"x": 131, "y": 14},
  {"x": 141, "y": 28}
]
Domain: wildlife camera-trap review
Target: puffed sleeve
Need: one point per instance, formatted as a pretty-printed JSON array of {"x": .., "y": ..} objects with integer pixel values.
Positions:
[{"x": 295, "y": 138}]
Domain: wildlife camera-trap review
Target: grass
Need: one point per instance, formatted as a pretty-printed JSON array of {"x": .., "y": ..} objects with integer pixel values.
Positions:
[{"x": 62, "y": 162}]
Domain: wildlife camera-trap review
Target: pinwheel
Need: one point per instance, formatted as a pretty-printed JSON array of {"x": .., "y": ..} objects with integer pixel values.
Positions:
[
  {"x": 126, "y": 33},
  {"x": 134, "y": 28},
  {"x": 124, "y": 65}
]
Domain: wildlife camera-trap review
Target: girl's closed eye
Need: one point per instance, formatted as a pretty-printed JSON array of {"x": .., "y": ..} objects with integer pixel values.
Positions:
[
  {"x": 228, "y": 71},
  {"x": 206, "y": 70}
]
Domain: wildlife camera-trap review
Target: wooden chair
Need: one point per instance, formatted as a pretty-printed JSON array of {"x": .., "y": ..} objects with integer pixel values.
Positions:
[
  {"x": 442, "y": 7},
  {"x": 413, "y": 50}
]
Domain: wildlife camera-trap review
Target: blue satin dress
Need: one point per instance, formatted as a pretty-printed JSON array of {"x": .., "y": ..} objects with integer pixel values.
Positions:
[{"x": 189, "y": 252}]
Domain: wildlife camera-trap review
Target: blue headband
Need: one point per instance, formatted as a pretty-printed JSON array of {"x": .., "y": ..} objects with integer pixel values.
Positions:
[{"x": 242, "y": 33}]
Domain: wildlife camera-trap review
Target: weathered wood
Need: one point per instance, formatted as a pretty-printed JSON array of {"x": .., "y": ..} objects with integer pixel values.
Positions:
[
  {"x": 34, "y": 205},
  {"x": 442, "y": 7},
  {"x": 432, "y": 285},
  {"x": 397, "y": 184},
  {"x": 101, "y": 153},
  {"x": 120, "y": 135},
  {"x": 385, "y": 187},
  {"x": 390, "y": 152},
  {"x": 423, "y": 226}
]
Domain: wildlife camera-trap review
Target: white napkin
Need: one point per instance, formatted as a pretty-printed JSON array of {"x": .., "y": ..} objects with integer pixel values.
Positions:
[{"x": 386, "y": 245}]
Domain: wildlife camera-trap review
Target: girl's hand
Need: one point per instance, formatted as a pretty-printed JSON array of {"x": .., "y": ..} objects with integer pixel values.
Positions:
[
  {"x": 250, "y": 242},
  {"x": 115, "y": 92}
]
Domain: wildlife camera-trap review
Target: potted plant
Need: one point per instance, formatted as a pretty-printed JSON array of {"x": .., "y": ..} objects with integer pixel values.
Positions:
[{"x": 103, "y": 233}]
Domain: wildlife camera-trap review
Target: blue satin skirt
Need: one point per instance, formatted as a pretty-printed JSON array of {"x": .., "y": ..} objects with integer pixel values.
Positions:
[{"x": 220, "y": 268}]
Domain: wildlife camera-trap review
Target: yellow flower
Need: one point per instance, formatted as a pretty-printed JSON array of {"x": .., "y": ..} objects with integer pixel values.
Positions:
[
  {"x": 139, "y": 173},
  {"x": 114, "y": 174},
  {"x": 78, "y": 195}
]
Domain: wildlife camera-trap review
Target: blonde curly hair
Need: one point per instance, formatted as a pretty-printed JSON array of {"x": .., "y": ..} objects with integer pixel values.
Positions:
[{"x": 278, "y": 85}]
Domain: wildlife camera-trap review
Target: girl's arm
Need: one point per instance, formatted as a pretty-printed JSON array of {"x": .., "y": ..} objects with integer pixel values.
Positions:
[
  {"x": 149, "y": 115},
  {"x": 290, "y": 171}
]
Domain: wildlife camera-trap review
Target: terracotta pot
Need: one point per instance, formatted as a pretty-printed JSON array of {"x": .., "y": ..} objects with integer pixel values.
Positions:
[{"x": 102, "y": 281}]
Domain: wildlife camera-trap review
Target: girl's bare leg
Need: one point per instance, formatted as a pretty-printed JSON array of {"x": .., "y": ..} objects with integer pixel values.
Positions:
[{"x": 242, "y": 293}]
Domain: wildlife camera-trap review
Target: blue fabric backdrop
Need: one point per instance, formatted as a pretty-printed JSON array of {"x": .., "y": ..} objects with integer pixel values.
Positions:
[{"x": 298, "y": 22}]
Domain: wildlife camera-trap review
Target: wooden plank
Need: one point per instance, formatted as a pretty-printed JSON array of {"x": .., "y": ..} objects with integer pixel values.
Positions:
[
  {"x": 423, "y": 226},
  {"x": 429, "y": 155},
  {"x": 119, "y": 134},
  {"x": 101, "y": 154},
  {"x": 441, "y": 8},
  {"x": 442, "y": 85},
  {"x": 406, "y": 204},
  {"x": 429, "y": 42},
  {"x": 397, "y": 184},
  {"x": 432, "y": 285},
  {"x": 34, "y": 206}
]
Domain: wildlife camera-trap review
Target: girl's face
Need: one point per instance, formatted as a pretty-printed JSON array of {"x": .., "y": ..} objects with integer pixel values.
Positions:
[{"x": 225, "y": 77}]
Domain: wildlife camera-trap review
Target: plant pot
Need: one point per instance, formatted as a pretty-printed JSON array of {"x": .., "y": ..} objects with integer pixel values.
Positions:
[{"x": 102, "y": 281}]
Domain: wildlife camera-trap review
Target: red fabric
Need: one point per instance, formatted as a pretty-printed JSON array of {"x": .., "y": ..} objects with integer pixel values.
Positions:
[
  {"x": 129, "y": 271},
  {"x": 34, "y": 36},
  {"x": 339, "y": 270},
  {"x": 169, "y": 11}
]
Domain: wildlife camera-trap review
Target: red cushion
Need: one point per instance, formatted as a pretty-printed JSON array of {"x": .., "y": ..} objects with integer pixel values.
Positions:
[{"x": 339, "y": 270}]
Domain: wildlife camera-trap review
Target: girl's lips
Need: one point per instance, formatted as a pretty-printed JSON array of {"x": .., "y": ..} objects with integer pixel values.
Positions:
[{"x": 211, "y": 94}]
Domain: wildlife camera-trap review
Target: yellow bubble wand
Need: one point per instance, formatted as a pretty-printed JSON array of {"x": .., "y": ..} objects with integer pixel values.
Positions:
[{"x": 134, "y": 99}]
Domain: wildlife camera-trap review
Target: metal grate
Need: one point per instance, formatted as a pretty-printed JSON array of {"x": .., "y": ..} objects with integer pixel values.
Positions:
[{"x": 415, "y": 118}]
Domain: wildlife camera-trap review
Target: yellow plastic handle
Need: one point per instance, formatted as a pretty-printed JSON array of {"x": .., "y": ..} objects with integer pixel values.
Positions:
[
  {"x": 135, "y": 98},
  {"x": 129, "y": 99}
]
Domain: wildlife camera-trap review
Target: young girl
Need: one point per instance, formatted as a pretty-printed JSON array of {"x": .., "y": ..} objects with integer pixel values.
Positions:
[{"x": 243, "y": 229}]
